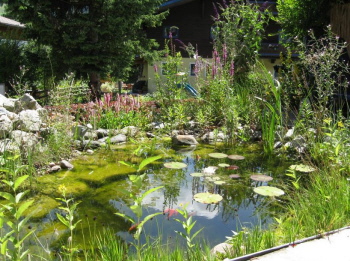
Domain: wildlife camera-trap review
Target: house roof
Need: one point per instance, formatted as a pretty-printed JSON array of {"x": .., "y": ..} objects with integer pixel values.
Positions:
[
  {"x": 173, "y": 3},
  {"x": 10, "y": 23}
]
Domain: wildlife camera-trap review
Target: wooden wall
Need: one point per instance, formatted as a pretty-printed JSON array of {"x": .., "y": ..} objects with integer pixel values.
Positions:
[{"x": 340, "y": 21}]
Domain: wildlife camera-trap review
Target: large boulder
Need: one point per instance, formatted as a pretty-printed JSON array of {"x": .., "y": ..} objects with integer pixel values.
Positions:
[
  {"x": 24, "y": 139},
  {"x": 7, "y": 145},
  {"x": 130, "y": 131},
  {"x": 29, "y": 120},
  {"x": 26, "y": 102},
  {"x": 184, "y": 140},
  {"x": 6, "y": 103},
  {"x": 6, "y": 126}
]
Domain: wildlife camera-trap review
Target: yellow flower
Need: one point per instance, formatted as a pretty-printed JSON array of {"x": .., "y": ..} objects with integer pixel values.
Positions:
[
  {"x": 62, "y": 189},
  {"x": 328, "y": 120},
  {"x": 340, "y": 124}
]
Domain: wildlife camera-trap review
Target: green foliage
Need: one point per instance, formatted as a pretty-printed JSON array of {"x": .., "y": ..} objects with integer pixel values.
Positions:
[
  {"x": 322, "y": 73},
  {"x": 92, "y": 36},
  {"x": 187, "y": 225},
  {"x": 297, "y": 17},
  {"x": 138, "y": 222},
  {"x": 10, "y": 59},
  {"x": 13, "y": 236},
  {"x": 67, "y": 220},
  {"x": 238, "y": 31}
]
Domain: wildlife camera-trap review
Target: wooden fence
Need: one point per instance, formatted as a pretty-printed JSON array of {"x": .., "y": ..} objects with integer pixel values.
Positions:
[{"x": 340, "y": 17}]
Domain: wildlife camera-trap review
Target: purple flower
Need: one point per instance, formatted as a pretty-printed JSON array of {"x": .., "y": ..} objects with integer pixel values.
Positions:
[
  {"x": 232, "y": 69},
  {"x": 224, "y": 4},
  {"x": 224, "y": 53},
  {"x": 155, "y": 67},
  {"x": 182, "y": 44}
]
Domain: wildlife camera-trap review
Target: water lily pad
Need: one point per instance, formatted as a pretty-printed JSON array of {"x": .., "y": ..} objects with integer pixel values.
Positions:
[
  {"x": 217, "y": 155},
  {"x": 223, "y": 165},
  {"x": 175, "y": 165},
  {"x": 235, "y": 176},
  {"x": 207, "y": 198},
  {"x": 269, "y": 191},
  {"x": 233, "y": 167},
  {"x": 302, "y": 168},
  {"x": 261, "y": 177},
  {"x": 197, "y": 174},
  {"x": 209, "y": 170},
  {"x": 236, "y": 157},
  {"x": 219, "y": 182}
]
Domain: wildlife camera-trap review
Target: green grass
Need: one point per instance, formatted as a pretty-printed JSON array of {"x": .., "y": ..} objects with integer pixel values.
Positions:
[{"x": 320, "y": 206}]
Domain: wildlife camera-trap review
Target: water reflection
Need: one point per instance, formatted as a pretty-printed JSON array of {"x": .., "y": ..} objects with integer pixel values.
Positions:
[{"x": 102, "y": 177}]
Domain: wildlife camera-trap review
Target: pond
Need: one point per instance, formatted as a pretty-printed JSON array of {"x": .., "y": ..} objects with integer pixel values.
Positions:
[{"x": 97, "y": 182}]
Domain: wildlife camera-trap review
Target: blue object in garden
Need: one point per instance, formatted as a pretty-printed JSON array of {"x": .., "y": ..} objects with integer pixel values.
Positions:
[{"x": 189, "y": 89}]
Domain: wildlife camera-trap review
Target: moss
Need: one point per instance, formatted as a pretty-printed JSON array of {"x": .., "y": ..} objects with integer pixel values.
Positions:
[{"x": 42, "y": 204}]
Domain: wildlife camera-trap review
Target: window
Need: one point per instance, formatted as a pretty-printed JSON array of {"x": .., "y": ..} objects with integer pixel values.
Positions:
[
  {"x": 172, "y": 31},
  {"x": 192, "y": 69}
]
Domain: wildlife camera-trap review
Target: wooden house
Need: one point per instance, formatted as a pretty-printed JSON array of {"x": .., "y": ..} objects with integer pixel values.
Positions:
[
  {"x": 9, "y": 29},
  {"x": 191, "y": 21}
]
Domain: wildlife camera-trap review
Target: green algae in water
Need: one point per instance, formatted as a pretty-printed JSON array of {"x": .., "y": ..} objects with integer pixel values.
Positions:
[{"x": 99, "y": 177}]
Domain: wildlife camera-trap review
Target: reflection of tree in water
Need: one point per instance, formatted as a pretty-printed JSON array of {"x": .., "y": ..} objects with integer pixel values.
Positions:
[{"x": 172, "y": 180}]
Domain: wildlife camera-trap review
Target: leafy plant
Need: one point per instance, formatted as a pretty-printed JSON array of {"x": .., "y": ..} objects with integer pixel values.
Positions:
[
  {"x": 187, "y": 225},
  {"x": 11, "y": 215},
  {"x": 68, "y": 221},
  {"x": 137, "y": 221},
  {"x": 143, "y": 163}
]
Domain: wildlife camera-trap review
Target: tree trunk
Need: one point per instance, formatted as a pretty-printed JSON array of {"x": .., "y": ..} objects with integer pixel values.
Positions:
[{"x": 95, "y": 86}]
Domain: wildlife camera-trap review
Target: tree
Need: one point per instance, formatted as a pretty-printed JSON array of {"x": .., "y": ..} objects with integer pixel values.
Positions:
[
  {"x": 298, "y": 16},
  {"x": 97, "y": 37}
]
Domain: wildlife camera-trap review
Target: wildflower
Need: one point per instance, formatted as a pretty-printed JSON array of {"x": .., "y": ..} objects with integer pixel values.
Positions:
[
  {"x": 62, "y": 189},
  {"x": 224, "y": 4},
  {"x": 340, "y": 124},
  {"x": 182, "y": 44},
  {"x": 232, "y": 69}
]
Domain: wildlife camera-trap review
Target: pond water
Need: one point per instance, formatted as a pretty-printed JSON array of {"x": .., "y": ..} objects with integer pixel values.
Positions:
[{"x": 96, "y": 182}]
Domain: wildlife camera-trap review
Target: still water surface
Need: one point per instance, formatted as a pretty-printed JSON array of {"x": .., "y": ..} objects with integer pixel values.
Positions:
[{"x": 96, "y": 182}]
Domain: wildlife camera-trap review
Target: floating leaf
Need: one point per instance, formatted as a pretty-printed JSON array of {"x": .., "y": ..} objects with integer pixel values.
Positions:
[
  {"x": 219, "y": 182},
  {"x": 235, "y": 176},
  {"x": 197, "y": 174},
  {"x": 233, "y": 167},
  {"x": 209, "y": 170},
  {"x": 236, "y": 157},
  {"x": 261, "y": 177},
  {"x": 175, "y": 165},
  {"x": 207, "y": 198},
  {"x": 223, "y": 165},
  {"x": 269, "y": 191},
  {"x": 302, "y": 168},
  {"x": 217, "y": 155}
]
